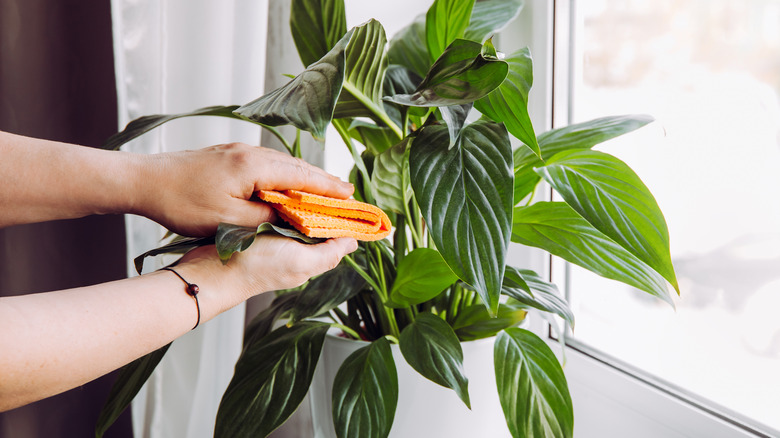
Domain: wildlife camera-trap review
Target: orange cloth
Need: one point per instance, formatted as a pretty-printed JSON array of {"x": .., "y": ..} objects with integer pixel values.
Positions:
[{"x": 321, "y": 216}]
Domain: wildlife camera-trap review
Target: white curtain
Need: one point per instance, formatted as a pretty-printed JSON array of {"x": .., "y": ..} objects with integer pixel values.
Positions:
[{"x": 176, "y": 56}]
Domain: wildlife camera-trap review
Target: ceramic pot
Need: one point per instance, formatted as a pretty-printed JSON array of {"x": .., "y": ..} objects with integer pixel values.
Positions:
[{"x": 425, "y": 409}]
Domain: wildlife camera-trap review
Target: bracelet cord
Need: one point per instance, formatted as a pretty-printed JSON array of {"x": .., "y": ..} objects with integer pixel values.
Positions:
[{"x": 192, "y": 290}]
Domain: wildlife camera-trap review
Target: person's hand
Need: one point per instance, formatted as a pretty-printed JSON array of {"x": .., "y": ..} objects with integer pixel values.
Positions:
[
  {"x": 191, "y": 192},
  {"x": 272, "y": 262}
]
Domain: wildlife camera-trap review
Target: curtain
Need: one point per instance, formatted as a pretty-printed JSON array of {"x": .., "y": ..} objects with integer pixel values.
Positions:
[{"x": 175, "y": 56}]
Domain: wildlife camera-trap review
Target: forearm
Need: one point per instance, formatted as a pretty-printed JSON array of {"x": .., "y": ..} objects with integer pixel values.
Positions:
[
  {"x": 55, "y": 341},
  {"x": 45, "y": 180}
]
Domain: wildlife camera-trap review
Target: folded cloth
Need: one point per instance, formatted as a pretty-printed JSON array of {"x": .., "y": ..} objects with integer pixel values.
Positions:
[{"x": 321, "y": 216}]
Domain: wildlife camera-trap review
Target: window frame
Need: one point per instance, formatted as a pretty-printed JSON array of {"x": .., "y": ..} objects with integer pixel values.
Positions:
[{"x": 611, "y": 397}]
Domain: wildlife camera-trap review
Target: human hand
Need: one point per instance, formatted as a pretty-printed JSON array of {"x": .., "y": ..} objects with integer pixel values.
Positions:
[
  {"x": 272, "y": 262},
  {"x": 191, "y": 192}
]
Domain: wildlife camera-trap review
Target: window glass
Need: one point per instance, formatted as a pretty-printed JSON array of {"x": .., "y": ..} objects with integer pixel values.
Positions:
[{"x": 709, "y": 72}]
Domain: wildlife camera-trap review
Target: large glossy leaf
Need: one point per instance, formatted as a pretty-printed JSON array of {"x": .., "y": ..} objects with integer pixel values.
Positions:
[
  {"x": 465, "y": 195},
  {"x": 407, "y": 48},
  {"x": 529, "y": 289},
  {"x": 609, "y": 195},
  {"x": 145, "y": 124},
  {"x": 555, "y": 227},
  {"x": 490, "y": 16},
  {"x": 461, "y": 75},
  {"x": 531, "y": 386},
  {"x": 445, "y": 22},
  {"x": 474, "y": 322},
  {"x": 366, "y": 65},
  {"x": 316, "y": 25},
  {"x": 422, "y": 275},
  {"x": 509, "y": 102},
  {"x": 431, "y": 347},
  {"x": 231, "y": 239},
  {"x": 390, "y": 178},
  {"x": 271, "y": 378},
  {"x": 308, "y": 101},
  {"x": 577, "y": 136},
  {"x": 129, "y": 381},
  {"x": 365, "y": 392},
  {"x": 325, "y": 292}
]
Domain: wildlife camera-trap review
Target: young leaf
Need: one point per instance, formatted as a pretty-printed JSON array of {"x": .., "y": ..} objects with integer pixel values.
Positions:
[
  {"x": 555, "y": 227},
  {"x": 609, "y": 195},
  {"x": 325, "y": 292},
  {"x": 474, "y": 322},
  {"x": 145, "y": 124},
  {"x": 430, "y": 346},
  {"x": 578, "y": 136},
  {"x": 509, "y": 102},
  {"x": 130, "y": 380},
  {"x": 407, "y": 48},
  {"x": 271, "y": 378},
  {"x": 231, "y": 239},
  {"x": 461, "y": 75},
  {"x": 465, "y": 195},
  {"x": 390, "y": 179},
  {"x": 531, "y": 386},
  {"x": 308, "y": 101},
  {"x": 490, "y": 16},
  {"x": 365, "y": 392},
  {"x": 422, "y": 274},
  {"x": 445, "y": 22},
  {"x": 528, "y": 288},
  {"x": 316, "y": 25}
]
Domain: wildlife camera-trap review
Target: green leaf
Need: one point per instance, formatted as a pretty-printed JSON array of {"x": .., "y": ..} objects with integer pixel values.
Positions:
[
  {"x": 271, "y": 378},
  {"x": 366, "y": 65},
  {"x": 474, "y": 322},
  {"x": 376, "y": 139},
  {"x": 445, "y": 22},
  {"x": 531, "y": 386},
  {"x": 308, "y": 101},
  {"x": 129, "y": 381},
  {"x": 365, "y": 392},
  {"x": 179, "y": 246},
  {"x": 490, "y": 16},
  {"x": 231, "y": 239},
  {"x": 263, "y": 323},
  {"x": 400, "y": 80},
  {"x": 578, "y": 136},
  {"x": 460, "y": 75},
  {"x": 392, "y": 187},
  {"x": 455, "y": 117},
  {"x": 407, "y": 48},
  {"x": 529, "y": 289},
  {"x": 555, "y": 227},
  {"x": 325, "y": 292},
  {"x": 317, "y": 26},
  {"x": 422, "y": 275},
  {"x": 609, "y": 195},
  {"x": 430, "y": 346},
  {"x": 145, "y": 124},
  {"x": 509, "y": 102},
  {"x": 465, "y": 195}
]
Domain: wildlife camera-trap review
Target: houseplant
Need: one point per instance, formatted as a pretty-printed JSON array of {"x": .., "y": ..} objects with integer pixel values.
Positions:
[{"x": 457, "y": 193}]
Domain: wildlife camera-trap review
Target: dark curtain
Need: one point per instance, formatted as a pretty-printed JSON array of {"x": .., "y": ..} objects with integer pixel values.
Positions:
[{"x": 57, "y": 83}]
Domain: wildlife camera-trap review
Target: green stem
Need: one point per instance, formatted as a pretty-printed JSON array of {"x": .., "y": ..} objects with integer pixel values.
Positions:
[
  {"x": 361, "y": 166},
  {"x": 392, "y": 339},
  {"x": 297, "y": 144},
  {"x": 346, "y": 330},
  {"x": 376, "y": 110},
  {"x": 351, "y": 262},
  {"x": 281, "y": 138},
  {"x": 412, "y": 226}
]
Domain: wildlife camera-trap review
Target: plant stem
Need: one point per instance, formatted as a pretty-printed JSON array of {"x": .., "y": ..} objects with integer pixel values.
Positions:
[
  {"x": 297, "y": 144},
  {"x": 281, "y": 138},
  {"x": 346, "y": 330},
  {"x": 392, "y": 339},
  {"x": 412, "y": 226},
  {"x": 361, "y": 272},
  {"x": 361, "y": 166},
  {"x": 376, "y": 110}
]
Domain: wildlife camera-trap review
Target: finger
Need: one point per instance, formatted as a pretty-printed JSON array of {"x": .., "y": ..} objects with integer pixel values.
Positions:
[
  {"x": 296, "y": 174},
  {"x": 251, "y": 213},
  {"x": 330, "y": 252}
]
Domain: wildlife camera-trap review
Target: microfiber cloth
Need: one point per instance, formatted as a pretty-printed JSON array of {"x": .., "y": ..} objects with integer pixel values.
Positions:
[{"x": 322, "y": 216}]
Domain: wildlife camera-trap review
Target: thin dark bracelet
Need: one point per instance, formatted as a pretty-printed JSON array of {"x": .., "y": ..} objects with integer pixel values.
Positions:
[{"x": 192, "y": 290}]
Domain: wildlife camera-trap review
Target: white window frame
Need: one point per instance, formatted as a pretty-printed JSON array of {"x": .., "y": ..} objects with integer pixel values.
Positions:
[{"x": 611, "y": 398}]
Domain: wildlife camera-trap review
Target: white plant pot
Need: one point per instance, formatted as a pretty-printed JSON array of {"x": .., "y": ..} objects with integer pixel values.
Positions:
[{"x": 425, "y": 409}]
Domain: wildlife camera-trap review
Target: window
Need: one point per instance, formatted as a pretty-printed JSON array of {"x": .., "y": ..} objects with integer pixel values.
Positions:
[{"x": 709, "y": 72}]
